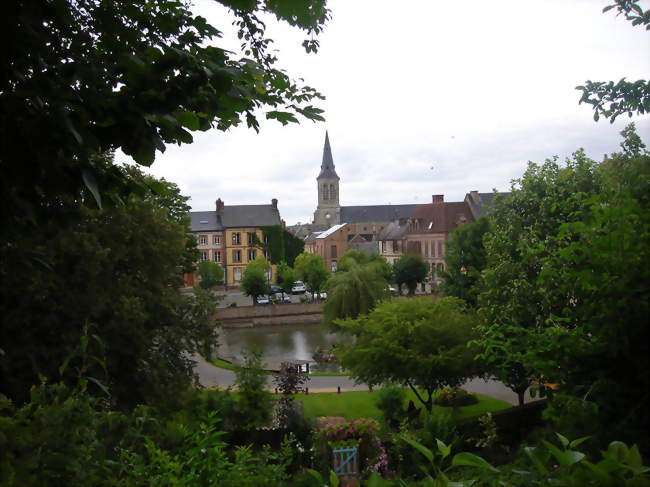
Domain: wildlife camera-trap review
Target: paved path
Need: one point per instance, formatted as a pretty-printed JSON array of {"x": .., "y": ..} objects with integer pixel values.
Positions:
[{"x": 211, "y": 376}]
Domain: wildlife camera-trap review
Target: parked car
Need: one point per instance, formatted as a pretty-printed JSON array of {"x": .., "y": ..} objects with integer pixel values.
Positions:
[
  {"x": 263, "y": 299},
  {"x": 298, "y": 288},
  {"x": 318, "y": 296},
  {"x": 280, "y": 298},
  {"x": 275, "y": 289}
]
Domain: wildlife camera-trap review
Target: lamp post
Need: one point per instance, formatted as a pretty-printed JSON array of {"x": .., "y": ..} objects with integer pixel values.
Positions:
[{"x": 463, "y": 271}]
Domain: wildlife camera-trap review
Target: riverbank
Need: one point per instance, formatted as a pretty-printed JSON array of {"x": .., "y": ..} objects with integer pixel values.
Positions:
[{"x": 269, "y": 314}]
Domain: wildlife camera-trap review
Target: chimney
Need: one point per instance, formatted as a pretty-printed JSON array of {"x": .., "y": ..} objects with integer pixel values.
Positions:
[
  {"x": 438, "y": 198},
  {"x": 219, "y": 205},
  {"x": 274, "y": 203}
]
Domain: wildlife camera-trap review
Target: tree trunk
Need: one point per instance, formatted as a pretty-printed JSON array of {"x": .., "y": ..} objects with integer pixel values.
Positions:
[{"x": 520, "y": 397}]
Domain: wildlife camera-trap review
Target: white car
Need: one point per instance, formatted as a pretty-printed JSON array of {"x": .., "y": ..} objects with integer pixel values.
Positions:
[
  {"x": 263, "y": 299},
  {"x": 298, "y": 288}
]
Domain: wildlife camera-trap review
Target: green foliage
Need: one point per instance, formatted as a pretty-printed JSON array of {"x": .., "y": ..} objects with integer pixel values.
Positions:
[
  {"x": 280, "y": 245},
  {"x": 375, "y": 261},
  {"x": 286, "y": 276},
  {"x": 120, "y": 269},
  {"x": 390, "y": 401},
  {"x": 90, "y": 76},
  {"x": 420, "y": 343},
  {"x": 411, "y": 270},
  {"x": 293, "y": 247},
  {"x": 311, "y": 269},
  {"x": 353, "y": 291},
  {"x": 611, "y": 99},
  {"x": 465, "y": 249},
  {"x": 455, "y": 397},
  {"x": 211, "y": 274},
  {"x": 254, "y": 282},
  {"x": 253, "y": 399}
]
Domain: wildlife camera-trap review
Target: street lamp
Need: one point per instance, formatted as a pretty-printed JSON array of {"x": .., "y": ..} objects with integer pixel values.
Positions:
[{"x": 463, "y": 272}]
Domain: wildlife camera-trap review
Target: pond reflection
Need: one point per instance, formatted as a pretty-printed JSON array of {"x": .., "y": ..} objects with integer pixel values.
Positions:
[{"x": 279, "y": 343}]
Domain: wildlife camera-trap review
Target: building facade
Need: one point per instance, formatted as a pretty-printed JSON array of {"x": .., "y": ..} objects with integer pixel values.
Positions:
[
  {"x": 331, "y": 244},
  {"x": 231, "y": 235}
]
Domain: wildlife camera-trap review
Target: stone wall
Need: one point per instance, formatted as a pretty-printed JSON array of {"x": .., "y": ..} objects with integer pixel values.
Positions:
[{"x": 270, "y": 314}]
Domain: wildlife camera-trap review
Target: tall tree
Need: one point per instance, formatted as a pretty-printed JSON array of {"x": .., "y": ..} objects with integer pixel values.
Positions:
[
  {"x": 523, "y": 230},
  {"x": 364, "y": 258},
  {"x": 354, "y": 291},
  {"x": 411, "y": 270},
  {"x": 254, "y": 283},
  {"x": 211, "y": 274},
  {"x": 311, "y": 269},
  {"x": 465, "y": 259},
  {"x": 420, "y": 343}
]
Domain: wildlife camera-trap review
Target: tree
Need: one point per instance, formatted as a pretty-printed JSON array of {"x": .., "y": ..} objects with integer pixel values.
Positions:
[
  {"x": 211, "y": 274},
  {"x": 523, "y": 230},
  {"x": 354, "y": 291},
  {"x": 311, "y": 269},
  {"x": 420, "y": 343},
  {"x": 410, "y": 269},
  {"x": 254, "y": 400},
  {"x": 289, "y": 382},
  {"x": 611, "y": 99},
  {"x": 286, "y": 276},
  {"x": 118, "y": 270},
  {"x": 465, "y": 249},
  {"x": 364, "y": 258},
  {"x": 91, "y": 76},
  {"x": 254, "y": 282}
]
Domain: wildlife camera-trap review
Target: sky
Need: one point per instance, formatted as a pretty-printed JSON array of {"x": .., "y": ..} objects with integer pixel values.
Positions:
[{"x": 423, "y": 97}]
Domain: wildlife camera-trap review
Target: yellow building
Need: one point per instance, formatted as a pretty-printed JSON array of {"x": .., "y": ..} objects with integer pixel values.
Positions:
[{"x": 238, "y": 230}]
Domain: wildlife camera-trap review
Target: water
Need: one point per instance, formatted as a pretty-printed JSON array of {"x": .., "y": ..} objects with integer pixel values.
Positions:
[{"x": 279, "y": 343}]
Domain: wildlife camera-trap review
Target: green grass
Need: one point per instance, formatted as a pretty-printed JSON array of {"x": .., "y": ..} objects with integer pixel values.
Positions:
[
  {"x": 222, "y": 364},
  {"x": 361, "y": 404}
]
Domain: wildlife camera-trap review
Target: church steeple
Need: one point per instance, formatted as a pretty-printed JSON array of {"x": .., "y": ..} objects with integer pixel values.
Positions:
[
  {"x": 327, "y": 170},
  {"x": 328, "y": 211}
]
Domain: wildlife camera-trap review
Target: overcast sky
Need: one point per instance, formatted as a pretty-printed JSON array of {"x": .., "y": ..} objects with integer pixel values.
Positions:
[{"x": 423, "y": 97}]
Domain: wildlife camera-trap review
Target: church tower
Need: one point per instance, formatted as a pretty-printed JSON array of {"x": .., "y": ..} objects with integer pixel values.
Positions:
[{"x": 328, "y": 212}]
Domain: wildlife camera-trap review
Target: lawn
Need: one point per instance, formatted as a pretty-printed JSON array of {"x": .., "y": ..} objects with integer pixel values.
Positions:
[{"x": 361, "y": 404}]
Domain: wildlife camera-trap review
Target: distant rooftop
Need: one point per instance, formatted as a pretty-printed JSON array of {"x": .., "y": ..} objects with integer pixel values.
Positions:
[{"x": 331, "y": 230}]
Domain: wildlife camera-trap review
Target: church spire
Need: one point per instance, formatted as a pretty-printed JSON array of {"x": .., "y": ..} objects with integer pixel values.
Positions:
[{"x": 327, "y": 170}]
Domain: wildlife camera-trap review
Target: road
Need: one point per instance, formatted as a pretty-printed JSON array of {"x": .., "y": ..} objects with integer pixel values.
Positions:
[{"x": 211, "y": 376}]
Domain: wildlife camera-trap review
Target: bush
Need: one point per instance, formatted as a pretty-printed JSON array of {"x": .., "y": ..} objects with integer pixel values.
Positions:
[
  {"x": 390, "y": 401},
  {"x": 454, "y": 397}
]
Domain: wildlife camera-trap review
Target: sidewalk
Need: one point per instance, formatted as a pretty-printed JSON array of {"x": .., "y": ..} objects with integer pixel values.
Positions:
[{"x": 211, "y": 376}]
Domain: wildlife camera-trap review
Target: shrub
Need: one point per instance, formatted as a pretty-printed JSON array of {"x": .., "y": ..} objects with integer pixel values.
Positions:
[
  {"x": 390, "y": 402},
  {"x": 455, "y": 397}
]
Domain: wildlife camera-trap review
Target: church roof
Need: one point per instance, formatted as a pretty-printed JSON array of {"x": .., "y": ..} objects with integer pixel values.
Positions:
[
  {"x": 376, "y": 213},
  {"x": 327, "y": 170}
]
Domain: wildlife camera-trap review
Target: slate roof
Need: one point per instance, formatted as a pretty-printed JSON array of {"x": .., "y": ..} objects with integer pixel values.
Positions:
[
  {"x": 394, "y": 231},
  {"x": 235, "y": 216},
  {"x": 376, "y": 213},
  {"x": 479, "y": 203},
  {"x": 441, "y": 217},
  {"x": 327, "y": 170}
]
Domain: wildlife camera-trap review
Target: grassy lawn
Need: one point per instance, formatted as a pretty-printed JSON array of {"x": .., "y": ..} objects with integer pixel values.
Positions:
[{"x": 361, "y": 404}]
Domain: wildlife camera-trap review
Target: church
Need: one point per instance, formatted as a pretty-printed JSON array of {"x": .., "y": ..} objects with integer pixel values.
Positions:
[{"x": 364, "y": 222}]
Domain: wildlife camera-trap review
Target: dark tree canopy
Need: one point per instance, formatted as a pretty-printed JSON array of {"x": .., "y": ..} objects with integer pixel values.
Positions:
[
  {"x": 84, "y": 77},
  {"x": 411, "y": 270}
]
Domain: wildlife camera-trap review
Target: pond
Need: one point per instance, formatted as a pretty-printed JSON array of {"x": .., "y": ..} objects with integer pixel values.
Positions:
[{"x": 279, "y": 343}]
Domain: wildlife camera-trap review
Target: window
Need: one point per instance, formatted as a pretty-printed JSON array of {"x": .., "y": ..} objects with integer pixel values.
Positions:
[
  {"x": 334, "y": 251},
  {"x": 216, "y": 240},
  {"x": 326, "y": 193},
  {"x": 439, "y": 249},
  {"x": 266, "y": 239},
  {"x": 236, "y": 274},
  {"x": 332, "y": 192},
  {"x": 236, "y": 255},
  {"x": 251, "y": 254},
  {"x": 251, "y": 238},
  {"x": 203, "y": 239},
  {"x": 203, "y": 256},
  {"x": 236, "y": 238},
  {"x": 217, "y": 256}
]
